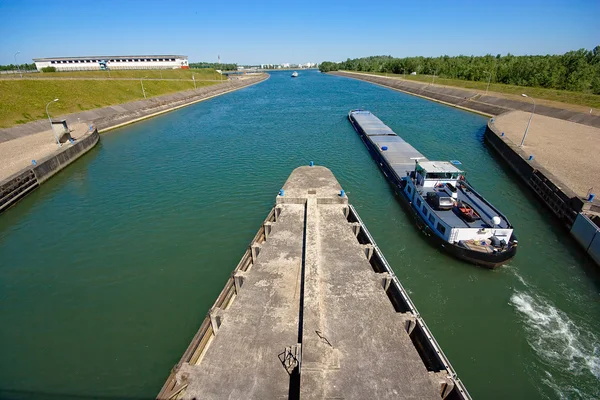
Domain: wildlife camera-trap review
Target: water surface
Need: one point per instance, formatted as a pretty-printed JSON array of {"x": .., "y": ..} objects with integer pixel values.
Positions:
[{"x": 107, "y": 271}]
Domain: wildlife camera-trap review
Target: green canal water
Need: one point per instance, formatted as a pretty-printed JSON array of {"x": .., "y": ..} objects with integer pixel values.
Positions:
[{"x": 107, "y": 271}]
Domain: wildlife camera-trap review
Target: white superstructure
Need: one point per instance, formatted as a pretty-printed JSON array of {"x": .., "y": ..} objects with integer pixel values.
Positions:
[{"x": 113, "y": 62}]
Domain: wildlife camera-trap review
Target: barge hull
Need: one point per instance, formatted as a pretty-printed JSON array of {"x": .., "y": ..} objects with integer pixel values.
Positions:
[{"x": 391, "y": 172}]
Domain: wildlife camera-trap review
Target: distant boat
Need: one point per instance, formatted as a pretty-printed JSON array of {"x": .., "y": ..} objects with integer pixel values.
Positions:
[{"x": 294, "y": 74}]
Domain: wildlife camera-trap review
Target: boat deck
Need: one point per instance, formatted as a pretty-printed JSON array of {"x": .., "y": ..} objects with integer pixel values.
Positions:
[
  {"x": 400, "y": 157},
  {"x": 485, "y": 212}
]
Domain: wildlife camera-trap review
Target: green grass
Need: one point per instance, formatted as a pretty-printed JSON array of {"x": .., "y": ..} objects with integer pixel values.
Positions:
[
  {"x": 22, "y": 101},
  {"x": 199, "y": 74},
  {"x": 563, "y": 96}
]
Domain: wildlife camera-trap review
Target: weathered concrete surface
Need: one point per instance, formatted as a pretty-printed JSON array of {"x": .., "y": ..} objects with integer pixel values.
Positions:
[
  {"x": 310, "y": 284},
  {"x": 17, "y": 154},
  {"x": 472, "y": 100},
  {"x": 108, "y": 117},
  {"x": 22, "y": 183},
  {"x": 568, "y": 150}
]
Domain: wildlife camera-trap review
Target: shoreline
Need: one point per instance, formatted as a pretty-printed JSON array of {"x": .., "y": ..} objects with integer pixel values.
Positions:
[
  {"x": 470, "y": 100},
  {"x": 16, "y": 185}
]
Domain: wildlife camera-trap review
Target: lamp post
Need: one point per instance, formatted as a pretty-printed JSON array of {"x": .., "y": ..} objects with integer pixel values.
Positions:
[
  {"x": 403, "y": 73},
  {"x": 489, "y": 79},
  {"x": 433, "y": 79},
  {"x": 194, "y": 79},
  {"x": 529, "y": 122},
  {"x": 50, "y": 120},
  {"x": 142, "y": 83},
  {"x": 17, "y": 64}
]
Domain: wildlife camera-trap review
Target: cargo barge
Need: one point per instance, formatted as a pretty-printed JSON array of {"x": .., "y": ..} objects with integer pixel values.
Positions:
[{"x": 446, "y": 207}]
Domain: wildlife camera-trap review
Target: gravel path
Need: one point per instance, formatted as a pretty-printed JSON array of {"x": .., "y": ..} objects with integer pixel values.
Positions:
[
  {"x": 568, "y": 150},
  {"x": 17, "y": 154}
]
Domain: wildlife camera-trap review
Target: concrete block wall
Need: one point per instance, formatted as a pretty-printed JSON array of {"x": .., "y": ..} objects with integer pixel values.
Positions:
[
  {"x": 587, "y": 234},
  {"x": 15, "y": 187},
  {"x": 473, "y": 101},
  {"x": 564, "y": 203},
  {"x": 108, "y": 117},
  {"x": 19, "y": 185}
]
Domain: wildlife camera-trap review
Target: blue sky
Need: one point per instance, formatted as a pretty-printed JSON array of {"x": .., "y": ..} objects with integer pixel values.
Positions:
[{"x": 253, "y": 32}]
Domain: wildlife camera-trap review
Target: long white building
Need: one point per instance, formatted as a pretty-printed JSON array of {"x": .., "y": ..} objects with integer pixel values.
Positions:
[{"x": 113, "y": 62}]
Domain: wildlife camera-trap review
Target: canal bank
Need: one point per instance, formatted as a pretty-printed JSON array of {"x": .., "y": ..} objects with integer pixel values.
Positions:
[
  {"x": 120, "y": 280},
  {"x": 15, "y": 187},
  {"x": 31, "y": 156},
  {"x": 567, "y": 159},
  {"x": 557, "y": 180},
  {"x": 465, "y": 99},
  {"x": 112, "y": 117}
]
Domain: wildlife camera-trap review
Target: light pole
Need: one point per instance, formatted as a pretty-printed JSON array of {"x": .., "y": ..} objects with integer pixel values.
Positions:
[
  {"x": 489, "y": 79},
  {"x": 194, "y": 79},
  {"x": 50, "y": 120},
  {"x": 142, "y": 83},
  {"x": 433, "y": 79},
  {"x": 528, "y": 123},
  {"x": 403, "y": 73},
  {"x": 17, "y": 64}
]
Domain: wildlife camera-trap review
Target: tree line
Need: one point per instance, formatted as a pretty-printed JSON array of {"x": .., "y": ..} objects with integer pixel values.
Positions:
[
  {"x": 13, "y": 67},
  {"x": 222, "y": 67},
  {"x": 577, "y": 70}
]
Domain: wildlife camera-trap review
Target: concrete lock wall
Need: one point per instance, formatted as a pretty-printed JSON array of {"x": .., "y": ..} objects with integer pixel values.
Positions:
[
  {"x": 594, "y": 249},
  {"x": 587, "y": 234},
  {"x": 113, "y": 116},
  {"x": 19, "y": 185},
  {"x": 557, "y": 197},
  {"x": 560, "y": 200},
  {"x": 470, "y": 100}
]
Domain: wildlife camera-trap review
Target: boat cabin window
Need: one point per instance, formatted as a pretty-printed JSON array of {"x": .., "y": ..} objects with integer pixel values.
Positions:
[
  {"x": 431, "y": 218},
  {"x": 442, "y": 175},
  {"x": 408, "y": 189},
  {"x": 441, "y": 228},
  {"x": 425, "y": 209},
  {"x": 418, "y": 202}
]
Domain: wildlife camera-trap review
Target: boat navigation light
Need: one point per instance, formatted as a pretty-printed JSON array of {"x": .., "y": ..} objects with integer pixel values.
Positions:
[{"x": 496, "y": 220}]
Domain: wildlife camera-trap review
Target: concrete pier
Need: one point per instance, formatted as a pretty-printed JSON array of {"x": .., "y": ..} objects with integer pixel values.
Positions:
[
  {"x": 557, "y": 157},
  {"x": 313, "y": 310}
]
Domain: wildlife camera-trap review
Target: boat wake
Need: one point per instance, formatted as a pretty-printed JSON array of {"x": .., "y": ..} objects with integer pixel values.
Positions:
[{"x": 564, "y": 346}]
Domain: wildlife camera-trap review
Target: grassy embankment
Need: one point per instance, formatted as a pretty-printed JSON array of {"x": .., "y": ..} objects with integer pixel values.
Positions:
[
  {"x": 584, "y": 100},
  {"x": 24, "y": 100}
]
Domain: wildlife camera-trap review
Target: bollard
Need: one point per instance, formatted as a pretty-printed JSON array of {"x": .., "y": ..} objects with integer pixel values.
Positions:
[
  {"x": 342, "y": 193},
  {"x": 281, "y": 192},
  {"x": 502, "y": 134},
  {"x": 591, "y": 197},
  {"x": 531, "y": 157},
  {"x": 312, "y": 164}
]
